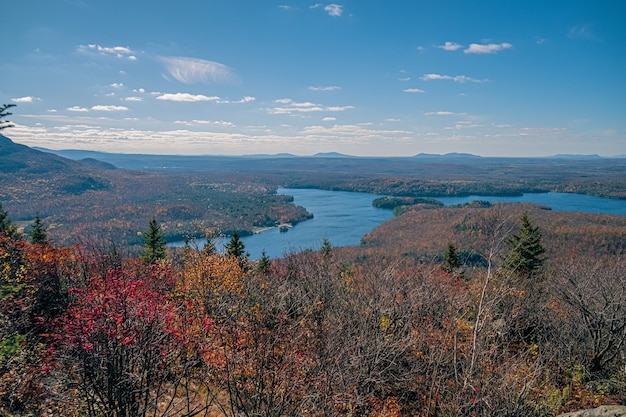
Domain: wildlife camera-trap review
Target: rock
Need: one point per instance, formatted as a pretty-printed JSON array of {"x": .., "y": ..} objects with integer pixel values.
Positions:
[{"x": 602, "y": 411}]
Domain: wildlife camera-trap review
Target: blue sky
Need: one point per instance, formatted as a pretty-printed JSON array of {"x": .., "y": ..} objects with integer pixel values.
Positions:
[{"x": 361, "y": 77}]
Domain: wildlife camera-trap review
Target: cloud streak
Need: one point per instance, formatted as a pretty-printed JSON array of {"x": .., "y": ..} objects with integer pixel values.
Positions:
[
  {"x": 114, "y": 51},
  {"x": 186, "y": 97},
  {"x": 455, "y": 78},
  {"x": 194, "y": 70},
  {"x": 491, "y": 48}
]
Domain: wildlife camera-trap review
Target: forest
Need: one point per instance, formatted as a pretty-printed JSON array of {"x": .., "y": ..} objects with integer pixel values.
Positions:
[
  {"x": 536, "y": 329},
  {"x": 478, "y": 310}
]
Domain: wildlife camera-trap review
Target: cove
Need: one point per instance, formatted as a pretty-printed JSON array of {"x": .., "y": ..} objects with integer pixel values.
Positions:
[{"x": 344, "y": 217}]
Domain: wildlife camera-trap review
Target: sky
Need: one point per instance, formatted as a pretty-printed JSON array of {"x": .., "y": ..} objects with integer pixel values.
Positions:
[{"x": 359, "y": 77}]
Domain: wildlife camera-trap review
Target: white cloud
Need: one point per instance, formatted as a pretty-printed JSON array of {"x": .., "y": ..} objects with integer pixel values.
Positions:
[
  {"x": 116, "y": 51},
  {"x": 204, "y": 123},
  {"x": 116, "y": 85},
  {"x": 77, "y": 109},
  {"x": 491, "y": 48},
  {"x": 421, "y": 49},
  {"x": 27, "y": 99},
  {"x": 440, "y": 113},
  {"x": 109, "y": 108},
  {"x": 325, "y": 88},
  {"x": 450, "y": 46},
  {"x": 291, "y": 107},
  {"x": 392, "y": 120},
  {"x": 455, "y": 78},
  {"x": 329, "y": 119},
  {"x": 245, "y": 99},
  {"x": 405, "y": 79},
  {"x": 193, "y": 70},
  {"x": 413, "y": 90},
  {"x": 186, "y": 97},
  {"x": 133, "y": 98},
  {"x": 334, "y": 9},
  {"x": 285, "y": 7}
]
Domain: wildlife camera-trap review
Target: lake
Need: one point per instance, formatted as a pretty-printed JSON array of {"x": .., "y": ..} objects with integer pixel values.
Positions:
[{"x": 345, "y": 217}]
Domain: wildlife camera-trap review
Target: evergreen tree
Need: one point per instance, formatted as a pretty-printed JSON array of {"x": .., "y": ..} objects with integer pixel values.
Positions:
[
  {"x": 37, "y": 232},
  {"x": 235, "y": 246},
  {"x": 451, "y": 260},
  {"x": 264, "y": 263},
  {"x": 154, "y": 243},
  {"x": 5, "y": 223},
  {"x": 526, "y": 256},
  {"x": 3, "y": 113}
]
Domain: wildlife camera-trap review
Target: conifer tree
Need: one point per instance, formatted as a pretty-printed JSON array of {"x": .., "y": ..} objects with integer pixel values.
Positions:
[
  {"x": 3, "y": 113},
  {"x": 526, "y": 256},
  {"x": 451, "y": 260},
  {"x": 264, "y": 263},
  {"x": 37, "y": 232},
  {"x": 235, "y": 246},
  {"x": 5, "y": 223},
  {"x": 154, "y": 243}
]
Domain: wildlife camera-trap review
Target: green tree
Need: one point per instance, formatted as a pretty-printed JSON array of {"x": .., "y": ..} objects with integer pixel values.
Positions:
[
  {"x": 154, "y": 243},
  {"x": 4, "y": 113},
  {"x": 235, "y": 246},
  {"x": 5, "y": 223},
  {"x": 451, "y": 260},
  {"x": 37, "y": 232},
  {"x": 264, "y": 263},
  {"x": 526, "y": 255}
]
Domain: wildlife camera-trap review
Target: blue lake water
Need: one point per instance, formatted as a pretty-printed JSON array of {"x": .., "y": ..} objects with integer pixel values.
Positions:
[{"x": 345, "y": 217}]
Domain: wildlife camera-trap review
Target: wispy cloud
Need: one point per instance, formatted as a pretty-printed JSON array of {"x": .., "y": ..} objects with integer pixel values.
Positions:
[
  {"x": 205, "y": 123},
  {"x": 186, "y": 97},
  {"x": 194, "y": 70},
  {"x": 115, "y": 51},
  {"x": 132, "y": 98},
  {"x": 27, "y": 99},
  {"x": 455, "y": 78},
  {"x": 285, "y": 7},
  {"x": 109, "y": 108},
  {"x": 582, "y": 32},
  {"x": 413, "y": 90},
  {"x": 440, "y": 113},
  {"x": 288, "y": 106},
  {"x": 245, "y": 99},
  {"x": 450, "y": 46},
  {"x": 325, "y": 88},
  {"x": 490, "y": 48},
  {"x": 116, "y": 85}
]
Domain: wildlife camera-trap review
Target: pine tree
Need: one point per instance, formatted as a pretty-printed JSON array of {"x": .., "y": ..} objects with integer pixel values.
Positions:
[
  {"x": 6, "y": 226},
  {"x": 451, "y": 260},
  {"x": 526, "y": 256},
  {"x": 235, "y": 246},
  {"x": 3, "y": 113},
  {"x": 264, "y": 263},
  {"x": 154, "y": 243},
  {"x": 37, "y": 232}
]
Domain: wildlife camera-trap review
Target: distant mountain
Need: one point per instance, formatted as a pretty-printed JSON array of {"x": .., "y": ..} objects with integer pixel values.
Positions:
[{"x": 332, "y": 155}]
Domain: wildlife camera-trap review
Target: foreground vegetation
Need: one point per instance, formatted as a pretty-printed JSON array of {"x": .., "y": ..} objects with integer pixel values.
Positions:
[{"x": 532, "y": 331}]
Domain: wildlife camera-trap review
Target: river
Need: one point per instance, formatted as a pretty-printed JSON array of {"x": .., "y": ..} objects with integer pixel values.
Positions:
[{"x": 345, "y": 217}]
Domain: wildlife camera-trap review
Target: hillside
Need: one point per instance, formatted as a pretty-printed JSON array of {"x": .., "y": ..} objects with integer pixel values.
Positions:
[
  {"x": 93, "y": 200},
  {"x": 424, "y": 234}
]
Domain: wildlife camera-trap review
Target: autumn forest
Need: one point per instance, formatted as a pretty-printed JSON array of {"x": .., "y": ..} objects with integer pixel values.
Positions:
[{"x": 503, "y": 309}]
